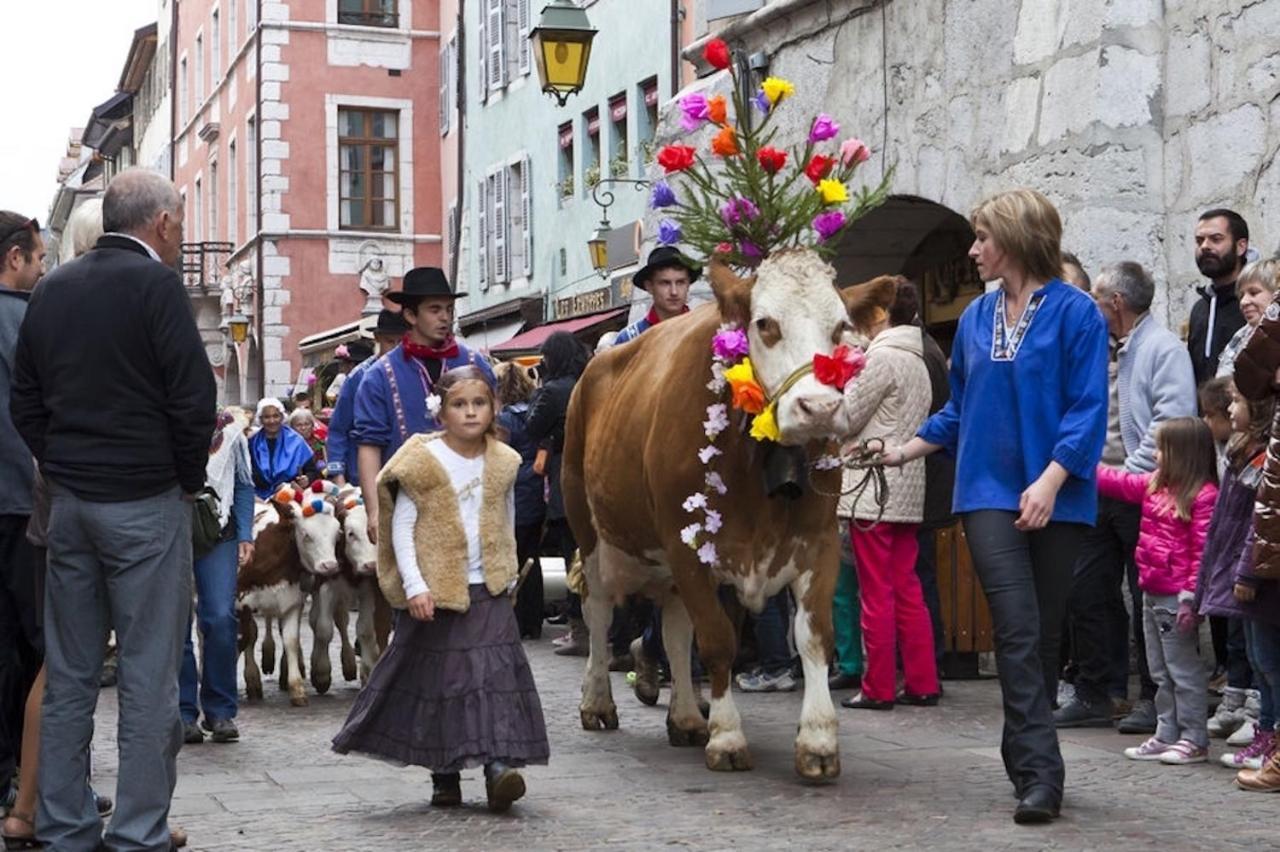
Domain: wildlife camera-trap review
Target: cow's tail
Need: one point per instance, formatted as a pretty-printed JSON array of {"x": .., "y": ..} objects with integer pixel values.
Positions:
[{"x": 572, "y": 477}]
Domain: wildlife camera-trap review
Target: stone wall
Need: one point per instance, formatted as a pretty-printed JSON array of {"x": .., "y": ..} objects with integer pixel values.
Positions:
[{"x": 1133, "y": 116}]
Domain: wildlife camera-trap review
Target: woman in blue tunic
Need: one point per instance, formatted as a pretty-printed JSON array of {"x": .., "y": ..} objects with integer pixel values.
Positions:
[
  {"x": 1026, "y": 423},
  {"x": 278, "y": 453}
]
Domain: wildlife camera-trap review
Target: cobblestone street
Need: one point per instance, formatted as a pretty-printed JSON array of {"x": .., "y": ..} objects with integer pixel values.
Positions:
[{"x": 913, "y": 778}]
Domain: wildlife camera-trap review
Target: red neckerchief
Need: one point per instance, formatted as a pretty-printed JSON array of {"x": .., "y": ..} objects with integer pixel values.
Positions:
[
  {"x": 417, "y": 350},
  {"x": 653, "y": 319}
]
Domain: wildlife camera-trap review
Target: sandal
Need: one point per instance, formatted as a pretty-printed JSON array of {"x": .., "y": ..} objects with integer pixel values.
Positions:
[{"x": 14, "y": 843}]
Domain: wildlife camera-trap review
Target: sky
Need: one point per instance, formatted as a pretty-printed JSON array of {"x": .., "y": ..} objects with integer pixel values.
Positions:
[{"x": 70, "y": 54}]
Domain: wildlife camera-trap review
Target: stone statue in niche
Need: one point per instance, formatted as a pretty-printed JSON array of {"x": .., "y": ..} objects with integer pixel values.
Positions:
[{"x": 374, "y": 279}]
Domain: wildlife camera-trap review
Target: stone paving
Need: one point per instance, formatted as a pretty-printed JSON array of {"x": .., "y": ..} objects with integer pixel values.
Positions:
[{"x": 914, "y": 778}]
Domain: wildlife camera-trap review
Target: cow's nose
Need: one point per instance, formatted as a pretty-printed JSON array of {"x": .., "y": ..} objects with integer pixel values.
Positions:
[
  {"x": 369, "y": 568},
  {"x": 327, "y": 568},
  {"x": 817, "y": 407}
]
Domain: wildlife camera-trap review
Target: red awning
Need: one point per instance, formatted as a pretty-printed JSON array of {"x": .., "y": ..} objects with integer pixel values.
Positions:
[
  {"x": 593, "y": 123},
  {"x": 651, "y": 93},
  {"x": 566, "y": 136},
  {"x": 532, "y": 340},
  {"x": 618, "y": 108}
]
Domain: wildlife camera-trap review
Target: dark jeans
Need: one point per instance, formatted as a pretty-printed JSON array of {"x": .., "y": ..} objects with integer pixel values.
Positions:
[
  {"x": 927, "y": 571},
  {"x": 771, "y": 634},
  {"x": 212, "y": 688},
  {"x": 1100, "y": 625},
  {"x": 529, "y": 602},
  {"x": 1026, "y": 578},
  {"x": 21, "y": 648}
]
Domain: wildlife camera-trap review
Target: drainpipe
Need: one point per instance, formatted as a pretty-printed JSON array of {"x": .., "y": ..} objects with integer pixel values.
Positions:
[
  {"x": 676, "y": 16},
  {"x": 257, "y": 179},
  {"x": 173, "y": 87},
  {"x": 460, "y": 96}
]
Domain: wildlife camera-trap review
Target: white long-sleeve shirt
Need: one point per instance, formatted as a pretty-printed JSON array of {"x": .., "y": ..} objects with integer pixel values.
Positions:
[{"x": 466, "y": 475}]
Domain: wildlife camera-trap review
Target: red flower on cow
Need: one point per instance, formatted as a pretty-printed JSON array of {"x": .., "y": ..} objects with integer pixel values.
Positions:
[
  {"x": 717, "y": 53},
  {"x": 771, "y": 159},
  {"x": 676, "y": 158},
  {"x": 840, "y": 367},
  {"x": 818, "y": 168}
]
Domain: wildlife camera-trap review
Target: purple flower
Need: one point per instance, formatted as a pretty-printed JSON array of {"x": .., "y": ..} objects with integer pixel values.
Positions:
[
  {"x": 714, "y": 521},
  {"x": 828, "y": 224},
  {"x": 669, "y": 233},
  {"x": 736, "y": 210},
  {"x": 750, "y": 250},
  {"x": 824, "y": 127},
  {"x": 663, "y": 196},
  {"x": 731, "y": 345},
  {"x": 707, "y": 554},
  {"x": 707, "y": 453},
  {"x": 761, "y": 100},
  {"x": 695, "y": 112}
]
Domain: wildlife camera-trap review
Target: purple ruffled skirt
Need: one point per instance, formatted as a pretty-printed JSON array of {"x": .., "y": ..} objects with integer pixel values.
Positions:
[{"x": 452, "y": 693}]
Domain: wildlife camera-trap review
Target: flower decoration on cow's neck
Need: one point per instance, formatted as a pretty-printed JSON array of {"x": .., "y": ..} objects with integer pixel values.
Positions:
[{"x": 741, "y": 194}]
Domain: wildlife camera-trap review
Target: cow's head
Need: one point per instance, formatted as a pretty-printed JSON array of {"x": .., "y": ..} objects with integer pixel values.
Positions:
[
  {"x": 354, "y": 517},
  {"x": 792, "y": 311},
  {"x": 315, "y": 529}
]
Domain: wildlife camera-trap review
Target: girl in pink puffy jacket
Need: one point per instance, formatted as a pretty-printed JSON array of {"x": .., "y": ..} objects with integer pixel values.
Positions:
[{"x": 1177, "y": 504}]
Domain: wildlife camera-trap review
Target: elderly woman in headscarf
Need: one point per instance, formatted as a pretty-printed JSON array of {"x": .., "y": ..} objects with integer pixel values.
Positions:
[
  {"x": 304, "y": 422},
  {"x": 212, "y": 688},
  {"x": 278, "y": 453}
]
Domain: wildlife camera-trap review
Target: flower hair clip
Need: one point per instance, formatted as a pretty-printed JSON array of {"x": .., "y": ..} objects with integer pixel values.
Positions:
[{"x": 434, "y": 403}]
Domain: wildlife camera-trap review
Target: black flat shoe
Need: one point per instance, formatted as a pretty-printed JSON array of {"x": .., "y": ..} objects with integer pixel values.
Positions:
[
  {"x": 1038, "y": 806},
  {"x": 930, "y": 700},
  {"x": 446, "y": 790},
  {"x": 844, "y": 681},
  {"x": 861, "y": 702}
]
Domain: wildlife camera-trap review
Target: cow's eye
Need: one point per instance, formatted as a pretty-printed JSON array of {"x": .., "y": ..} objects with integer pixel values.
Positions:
[{"x": 769, "y": 330}]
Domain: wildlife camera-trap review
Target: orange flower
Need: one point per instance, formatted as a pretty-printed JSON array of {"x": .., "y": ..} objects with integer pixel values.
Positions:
[
  {"x": 748, "y": 397},
  {"x": 725, "y": 144},
  {"x": 718, "y": 110}
]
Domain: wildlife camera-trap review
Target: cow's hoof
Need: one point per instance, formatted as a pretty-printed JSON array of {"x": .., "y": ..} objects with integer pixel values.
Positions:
[
  {"x": 729, "y": 761},
  {"x": 682, "y": 737},
  {"x": 298, "y": 700},
  {"x": 606, "y": 720},
  {"x": 253, "y": 692},
  {"x": 817, "y": 767},
  {"x": 268, "y": 663},
  {"x": 349, "y": 671},
  {"x": 322, "y": 684}
]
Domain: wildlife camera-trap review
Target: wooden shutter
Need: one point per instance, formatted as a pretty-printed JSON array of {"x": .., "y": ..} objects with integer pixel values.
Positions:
[
  {"x": 483, "y": 64},
  {"x": 452, "y": 226},
  {"x": 482, "y": 234},
  {"x": 525, "y": 51},
  {"x": 497, "y": 44},
  {"x": 498, "y": 228},
  {"x": 526, "y": 218}
]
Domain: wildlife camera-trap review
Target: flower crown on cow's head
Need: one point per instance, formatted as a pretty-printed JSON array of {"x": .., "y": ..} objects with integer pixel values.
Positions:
[{"x": 761, "y": 198}]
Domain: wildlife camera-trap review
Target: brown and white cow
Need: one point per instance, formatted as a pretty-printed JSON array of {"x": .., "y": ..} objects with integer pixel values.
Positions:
[
  {"x": 289, "y": 545},
  {"x": 633, "y": 431},
  {"x": 356, "y": 584}
]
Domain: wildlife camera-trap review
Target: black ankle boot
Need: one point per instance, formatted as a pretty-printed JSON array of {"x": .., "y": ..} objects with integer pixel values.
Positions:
[
  {"x": 503, "y": 785},
  {"x": 446, "y": 789}
]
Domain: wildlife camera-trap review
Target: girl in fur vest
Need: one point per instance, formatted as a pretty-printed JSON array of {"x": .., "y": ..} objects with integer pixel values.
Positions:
[
  {"x": 454, "y": 689},
  {"x": 1177, "y": 505}
]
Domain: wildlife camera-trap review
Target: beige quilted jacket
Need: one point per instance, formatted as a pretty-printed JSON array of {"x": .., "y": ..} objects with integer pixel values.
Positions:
[{"x": 889, "y": 400}]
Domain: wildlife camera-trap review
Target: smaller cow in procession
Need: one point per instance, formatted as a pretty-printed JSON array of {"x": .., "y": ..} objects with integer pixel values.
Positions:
[{"x": 701, "y": 453}]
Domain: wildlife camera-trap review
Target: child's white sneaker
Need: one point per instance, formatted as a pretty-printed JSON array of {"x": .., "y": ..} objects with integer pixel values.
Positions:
[
  {"x": 1151, "y": 749},
  {"x": 1185, "y": 752},
  {"x": 1244, "y": 734}
]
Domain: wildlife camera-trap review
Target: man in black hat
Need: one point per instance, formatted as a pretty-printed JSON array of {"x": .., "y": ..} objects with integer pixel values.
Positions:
[
  {"x": 667, "y": 276},
  {"x": 392, "y": 401},
  {"x": 340, "y": 446}
]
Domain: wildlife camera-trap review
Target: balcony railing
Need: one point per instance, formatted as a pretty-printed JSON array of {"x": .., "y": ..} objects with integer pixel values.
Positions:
[{"x": 204, "y": 264}]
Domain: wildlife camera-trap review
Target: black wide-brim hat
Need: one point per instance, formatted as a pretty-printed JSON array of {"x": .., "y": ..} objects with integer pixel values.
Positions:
[
  {"x": 662, "y": 257},
  {"x": 425, "y": 282},
  {"x": 390, "y": 323}
]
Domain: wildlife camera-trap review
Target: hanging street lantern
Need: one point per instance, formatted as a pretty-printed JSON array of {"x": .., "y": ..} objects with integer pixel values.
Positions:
[
  {"x": 562, "y": 48},
  {"x": 238, "y": 327},
  {"x": 598, "y": 247}
]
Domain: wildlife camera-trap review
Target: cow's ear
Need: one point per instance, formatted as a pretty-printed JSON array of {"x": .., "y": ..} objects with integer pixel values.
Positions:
[
  {"x": 868, "y": 303},
  {"x": 733, "y": 294}
]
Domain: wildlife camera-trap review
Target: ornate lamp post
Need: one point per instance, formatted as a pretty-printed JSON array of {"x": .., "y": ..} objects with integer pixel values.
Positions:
[
  {"x": 598, "y": 245},
  {"x": 562, "y": 48}
]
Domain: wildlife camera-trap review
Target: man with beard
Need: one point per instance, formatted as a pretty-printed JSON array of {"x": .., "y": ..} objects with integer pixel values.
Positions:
[{"x": 1222, "y": 238}]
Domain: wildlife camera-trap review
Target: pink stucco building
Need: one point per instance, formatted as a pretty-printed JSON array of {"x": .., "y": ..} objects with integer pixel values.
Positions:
[{"x": 306, "y": 145}]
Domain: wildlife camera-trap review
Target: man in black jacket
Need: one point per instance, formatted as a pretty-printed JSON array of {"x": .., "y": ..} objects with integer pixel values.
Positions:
[
  {"x": 115, "y": 397},
  {"x": 1222, "y": 240}
]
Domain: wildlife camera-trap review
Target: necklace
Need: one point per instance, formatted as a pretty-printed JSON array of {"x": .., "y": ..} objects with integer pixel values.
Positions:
[{"x": 427, "y": 387}]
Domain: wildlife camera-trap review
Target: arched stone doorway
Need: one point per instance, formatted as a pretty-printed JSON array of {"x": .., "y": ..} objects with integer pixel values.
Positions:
[{"x": 924, "y": 241}]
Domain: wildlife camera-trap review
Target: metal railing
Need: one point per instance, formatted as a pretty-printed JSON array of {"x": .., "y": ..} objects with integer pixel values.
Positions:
[{"x": 204, "y": 264}]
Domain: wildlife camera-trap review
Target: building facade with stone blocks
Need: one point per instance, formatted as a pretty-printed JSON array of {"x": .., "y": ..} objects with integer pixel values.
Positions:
[
  {"x": 529, "y": 165},
  {"x": 1132, "y": 116},
  {"x": 306, "y": 149}
]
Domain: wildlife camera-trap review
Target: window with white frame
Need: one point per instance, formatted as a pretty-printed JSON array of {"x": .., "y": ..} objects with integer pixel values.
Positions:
[
  {"x": 451, "y": 228},
  {"x": 184, "y": 90},
  {"x": 505, "y": 227},
  {"x": 448, "y": 83},
  {"x": 198, "y": 224},
  {"x": 368, "y": 13},
  {"x": 368, "y": 173},
  {"x": 213, "y": 201},
  {"x": 233, "y": 29},
  {"x": 233, "y": 189},
  {"x": 251, "y": 176},
  {"x": 200, "y": 70},
  {"x": 215, "y": 33},
  {"x": 495, "y": 54}
]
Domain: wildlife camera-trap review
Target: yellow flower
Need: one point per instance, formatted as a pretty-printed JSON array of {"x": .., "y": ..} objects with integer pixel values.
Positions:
[
  {"x": 776, "y": 88},
  {"x": 740, "y": 372},
  {"x": 765, "y": 426},
  {"x": 832, "y": 191}
]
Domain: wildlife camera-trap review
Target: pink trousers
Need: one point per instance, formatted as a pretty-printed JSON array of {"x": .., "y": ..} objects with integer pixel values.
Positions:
[{"x": 894, "y": 616}]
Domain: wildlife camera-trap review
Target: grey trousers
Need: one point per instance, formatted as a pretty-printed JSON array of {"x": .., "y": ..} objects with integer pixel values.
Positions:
[
  {"x": 122, "y": 566},
  {"x": 1182, "y": 701}
]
